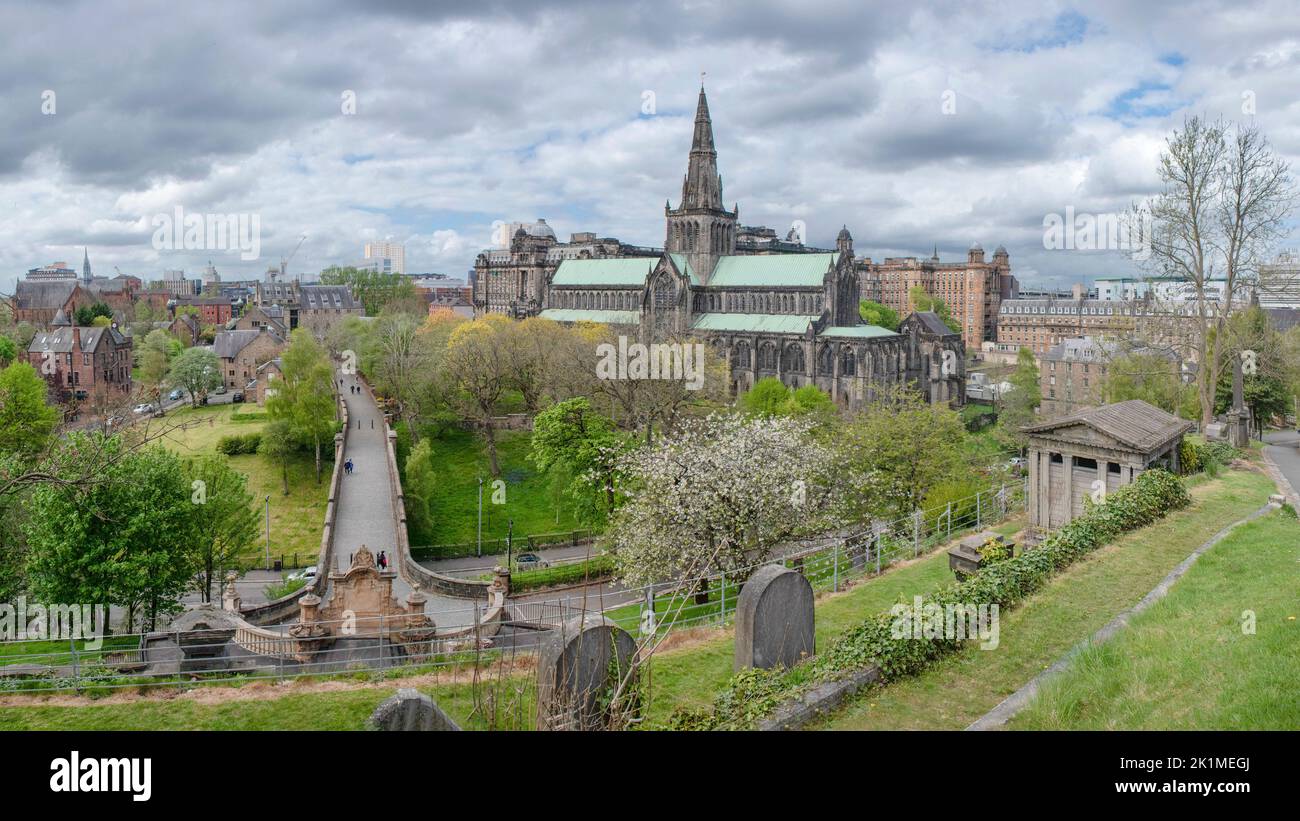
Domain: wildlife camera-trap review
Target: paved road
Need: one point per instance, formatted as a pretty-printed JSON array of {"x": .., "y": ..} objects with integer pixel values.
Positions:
[
  {"x": 365, "y": 505},
  {"x": 1281, "y": 448}
]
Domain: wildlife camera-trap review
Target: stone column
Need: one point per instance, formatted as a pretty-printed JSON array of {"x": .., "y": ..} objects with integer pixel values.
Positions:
[
  {"x": 1034, "y": 501},
  {"x": 1067, "y": 464}
]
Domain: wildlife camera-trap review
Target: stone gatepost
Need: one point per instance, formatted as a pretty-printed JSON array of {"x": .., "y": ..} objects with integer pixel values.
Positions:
[
  {"x": 775, "y": 620},
  {"x": 230, "y": 596},
  {"x": 500, "y": 581},
  {"x": 581, "y": 666}
]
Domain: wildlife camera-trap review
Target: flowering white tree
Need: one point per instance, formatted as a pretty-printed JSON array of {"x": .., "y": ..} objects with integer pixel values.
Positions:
[{"x": 719, "y": 494}]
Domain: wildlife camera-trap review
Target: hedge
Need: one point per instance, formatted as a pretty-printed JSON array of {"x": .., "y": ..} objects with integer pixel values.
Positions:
[
  {"x": 239, "y": 444},
  {"x": 597, "y": 567},
  {"x": 751, "y": 695}
]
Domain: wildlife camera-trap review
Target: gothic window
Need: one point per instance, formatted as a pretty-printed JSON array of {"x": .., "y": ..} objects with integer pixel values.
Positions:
[
  {"x": 792, "y": 359},
  {"x": 767, "y": 356},
  {"x": 663, "y": 300},
  {"x": 848, "y": 362},
  {"x": 740, "y": 355},
  {"x": 825, "y": 361}
]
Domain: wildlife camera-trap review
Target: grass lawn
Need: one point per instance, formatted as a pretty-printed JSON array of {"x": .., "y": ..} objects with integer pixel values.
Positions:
[
  {"x": 341, "y": 710},
  {"x": 298, "y": 519},
  {"x": 59, "y": 652},
  {"x": 1187, "y": 663},
  {"x": 460, "y": 458},
  {"x": 691, "y": 676},
  {"x": 1074, "y": 604}
]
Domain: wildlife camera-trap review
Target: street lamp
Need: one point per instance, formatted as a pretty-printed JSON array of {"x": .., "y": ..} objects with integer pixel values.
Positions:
[
  {"x": 480, "y": 517},
  {"x": 510, "y": 533},
  {"x": 268, "y": 531}
]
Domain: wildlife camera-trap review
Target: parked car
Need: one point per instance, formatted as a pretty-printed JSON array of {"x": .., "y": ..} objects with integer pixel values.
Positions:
[
  {"x": 220, "y": 390},
  {"x": 530, "y": 561},
  {"x": 144, "y": 407},
  {"x": 237, "y": 396},
  {"x": 307, "y": 573},
  {"x": 175, "y": 395},
  {"x": 1017, "y": 464}
]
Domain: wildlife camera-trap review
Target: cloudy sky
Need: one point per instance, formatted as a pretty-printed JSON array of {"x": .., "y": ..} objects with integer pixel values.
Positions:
[{"x": 580, "y": 113}]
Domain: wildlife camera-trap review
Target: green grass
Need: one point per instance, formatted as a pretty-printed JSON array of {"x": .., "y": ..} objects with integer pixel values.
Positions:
[
  {"x": 59, "y": 652},
  {"x": 597, "y": 567},
  {"x": 1187, "y": 663},
  {"x": 962, "y": 687},
  {"x": 690, "y": 677},
  {"x": 460, "y": 459},
  {"x": 297, "y": 520},
  {"x": 344, "y": 710}
]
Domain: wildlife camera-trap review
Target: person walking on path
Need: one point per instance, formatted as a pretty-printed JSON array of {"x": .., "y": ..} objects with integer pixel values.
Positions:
[{"x": 347, "y": 467}]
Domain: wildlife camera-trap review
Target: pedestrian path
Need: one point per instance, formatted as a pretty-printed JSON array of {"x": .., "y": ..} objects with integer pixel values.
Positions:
[{"x": 365, "y": 505}]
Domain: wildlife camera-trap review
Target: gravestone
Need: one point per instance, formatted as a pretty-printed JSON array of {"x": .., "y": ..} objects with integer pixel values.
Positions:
[
  {"x": 580, "y": 666},
  {"x": 409, "y": 710},
  {"x": 774, "y": 619}
]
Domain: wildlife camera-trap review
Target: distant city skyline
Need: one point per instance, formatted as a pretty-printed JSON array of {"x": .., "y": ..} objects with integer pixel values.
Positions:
[{"x": 915, "y": 129}]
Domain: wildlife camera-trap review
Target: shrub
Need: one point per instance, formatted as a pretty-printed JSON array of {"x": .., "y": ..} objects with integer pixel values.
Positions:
[
  {"x": 750, "y": 696},
  {"x": 239, "y": 444}
]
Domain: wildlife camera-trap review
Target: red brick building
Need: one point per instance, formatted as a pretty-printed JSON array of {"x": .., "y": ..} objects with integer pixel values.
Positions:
[{"x": 79, "y": 360}]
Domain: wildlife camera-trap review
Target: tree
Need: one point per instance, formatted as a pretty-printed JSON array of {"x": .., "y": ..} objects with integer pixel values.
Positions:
[
  {"x": 899, "y": 448},
  {"x": 419, "y": 486},
  {"x": 581, "y": 448},
  {"x": 1020, "y": 404},
  {"x": 873, "y": 313},
  {"x": 85, "y": 315},
  {"x": 769, "y": 397},
  {"x": 477, "y": 361},
  {"x": 373, "y": 289},
  {"x": 224, "y": 517},
  {"x": 402, "y": 365},
  {"x": 125, "y": 541},
  {"x": 719, "y": 494},
  {"x": 922, "y": 301},
  {"x": 304, "y": 395},
  {"x": 8, "y": 351},
  {"x": 155, "y": 356},
  {"x": 1224, "y": 202},
  {"x": 279, "y": 442},
  {"x": 1152, "y": 377},
  {"x": 26, "y": 421},
  {"x": 197, "y": 370}
]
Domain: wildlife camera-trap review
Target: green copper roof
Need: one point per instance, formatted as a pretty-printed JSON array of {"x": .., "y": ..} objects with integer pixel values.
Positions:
[
  {"x": 857, "y": 331},
  {"x": 754, "y": 323},
  {"x": 772, "y": 271},
  {"x": 603, "y": 317},
  {"x": 584, "y": 272},
  {"x": 684, "y": 265}
]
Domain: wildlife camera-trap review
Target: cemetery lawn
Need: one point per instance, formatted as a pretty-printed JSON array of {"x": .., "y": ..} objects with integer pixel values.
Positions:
[
  {"x": 209, "y": 708},
  {"x": 459, "y": 459},
  {"x": 1072, "y": 606},
  {"x": 298, "y": 519},
  {"x": 1187, "y": 664},
  {"x": 690, "y": 674}
]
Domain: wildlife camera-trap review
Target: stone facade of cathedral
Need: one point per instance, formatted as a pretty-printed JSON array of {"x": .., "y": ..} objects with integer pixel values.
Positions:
[{"x": 793, "y": 316}]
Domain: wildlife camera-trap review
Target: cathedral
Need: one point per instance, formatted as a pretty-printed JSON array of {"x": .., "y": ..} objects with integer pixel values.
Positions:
[{"x": 793, "y": 316}]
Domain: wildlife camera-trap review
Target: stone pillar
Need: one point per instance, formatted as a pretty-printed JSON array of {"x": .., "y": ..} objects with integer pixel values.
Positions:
[
  {"x": 1033, "y": 501},
  {"x": 1067, "y": 464},
  {"x": 230, "y": 596},
  {"x": 1045, "y": 489}
]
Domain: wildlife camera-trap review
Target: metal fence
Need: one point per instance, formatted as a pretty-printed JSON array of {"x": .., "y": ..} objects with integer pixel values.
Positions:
[{"x": 379, "y": 645}]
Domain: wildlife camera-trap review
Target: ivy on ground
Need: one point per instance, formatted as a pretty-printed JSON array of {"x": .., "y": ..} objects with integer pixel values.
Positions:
[{"x": 752, "y": 695}]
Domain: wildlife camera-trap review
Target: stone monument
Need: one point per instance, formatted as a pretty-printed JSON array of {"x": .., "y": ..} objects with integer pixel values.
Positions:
[{"x": 580, "y": 668}]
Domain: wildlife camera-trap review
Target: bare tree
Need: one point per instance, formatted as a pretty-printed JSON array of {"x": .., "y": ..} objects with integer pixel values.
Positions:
[{"x": 1224, "y": 199}]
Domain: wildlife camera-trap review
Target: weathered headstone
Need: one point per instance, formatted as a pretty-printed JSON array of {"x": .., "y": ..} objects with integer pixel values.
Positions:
[
  {"x": 409, "y": 710},
  {"x": 775, "y": 619},
  {"x": 580, "y": 667}
]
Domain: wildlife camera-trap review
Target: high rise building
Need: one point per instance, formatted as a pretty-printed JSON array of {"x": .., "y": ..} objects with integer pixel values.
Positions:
[{"x": 386, "y": 257}]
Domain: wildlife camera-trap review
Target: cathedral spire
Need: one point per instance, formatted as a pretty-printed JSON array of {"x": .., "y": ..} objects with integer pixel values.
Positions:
[
  {"x": 85, "y": 266},
  {"x": 702, "y": 187}
]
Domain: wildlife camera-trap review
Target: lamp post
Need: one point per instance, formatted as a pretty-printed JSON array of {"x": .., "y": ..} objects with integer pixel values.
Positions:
[
  {"x": 510, "y": 544},
  {"x": 480, "y": 517},
  {"x": 268, "y": 531}
]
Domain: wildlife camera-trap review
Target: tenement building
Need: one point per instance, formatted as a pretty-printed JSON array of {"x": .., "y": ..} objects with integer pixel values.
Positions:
[
  {"x": 793, "y": 316},
  {"x": 1039, "y": 324},
  {"x": 972, "y": 289}
]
